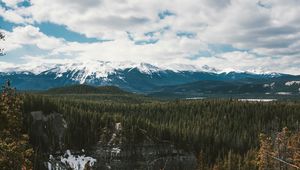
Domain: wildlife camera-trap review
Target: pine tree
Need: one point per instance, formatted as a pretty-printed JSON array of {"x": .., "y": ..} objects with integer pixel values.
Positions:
[
  {"x": 264, "y": 153},
  {"x": 294, "y": 146},
  {"x": 15, "y": 152},
  {"x": 281, "y": 149}
]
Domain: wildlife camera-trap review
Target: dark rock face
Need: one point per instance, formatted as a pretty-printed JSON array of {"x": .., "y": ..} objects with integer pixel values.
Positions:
[{"x": 47, "y": 131}]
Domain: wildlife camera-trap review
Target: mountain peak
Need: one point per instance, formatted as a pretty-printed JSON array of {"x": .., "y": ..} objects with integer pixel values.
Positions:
[
  {"x": 138, "y": 77},
  {"x": 102, "y": 69},
  {"x": 148, "y": 68}
]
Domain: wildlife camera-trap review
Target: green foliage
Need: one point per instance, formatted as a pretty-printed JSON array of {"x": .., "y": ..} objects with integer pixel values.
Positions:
[
  {"x": 233, "y": 161},
  {"x": 221, "y": 133},
  {"x": 15, "y": 152},
  {"x": 280, "y": 151},
  {"x": 86, "y": 89}
]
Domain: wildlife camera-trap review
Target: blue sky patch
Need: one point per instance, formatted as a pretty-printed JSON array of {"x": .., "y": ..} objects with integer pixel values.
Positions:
[
  {"x": 214, "y": 49},
  {"x": 149, "y": 34},
  {"x": 25, "y": 4},
  {"x": 145, "y": 42},
  {"x": 14, "y": 55},
  {"x": 6, "y": 25},
  {"x": 3, "y": 5},
  {"x": 199, "y": 55},
  {"x": 60, "y": 31},
  {"x": 152, "y": 40},
  {"x": 165, "y": 13},
  {"x": 223, "y": 48},
  {"x": 186, "y": 34}
]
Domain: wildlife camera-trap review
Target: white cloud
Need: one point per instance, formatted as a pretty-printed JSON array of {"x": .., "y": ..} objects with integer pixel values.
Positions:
[
  {"x": 268, "y": 29},
  {"x": 5, "y": 66},
  {"x": 29, "y": 35},
  {"x": 245, "y": 61},
  {"x": 11, "y": 16},
  {"x": 169, "y": 47},
  {"x": 11, "y": 3}
]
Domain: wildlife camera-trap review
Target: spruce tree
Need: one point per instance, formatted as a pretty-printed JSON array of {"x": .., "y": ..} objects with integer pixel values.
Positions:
[{"x": 15, "y": 151}]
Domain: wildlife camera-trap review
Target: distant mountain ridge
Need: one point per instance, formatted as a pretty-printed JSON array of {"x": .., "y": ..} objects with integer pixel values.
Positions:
[
  {"x": 248, "y": 87},
  {"x": 104, "y": 68},
  {"x": 134, "y": 77}
]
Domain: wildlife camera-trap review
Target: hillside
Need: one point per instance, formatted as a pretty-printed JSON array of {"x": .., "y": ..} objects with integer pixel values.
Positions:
[
  {"x": 268, "y": 87},
  {"x": 86, "y": 89}
]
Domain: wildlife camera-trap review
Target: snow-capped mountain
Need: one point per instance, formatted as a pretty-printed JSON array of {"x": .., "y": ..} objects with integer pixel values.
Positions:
[
  {"x": 101, "y": 69},
  {"x": 140, "y": 77}
]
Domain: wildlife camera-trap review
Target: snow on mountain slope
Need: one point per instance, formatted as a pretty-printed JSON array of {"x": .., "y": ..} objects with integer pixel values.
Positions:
[
  {"x": 89, "y": 70},
  {"x": 189, "y": 67},
  {"x": 81, "y": 71},
  {"x": 146, "y": 68},
  {"x": 136, "y": 77},
  {"x": 102, "y": 69}
]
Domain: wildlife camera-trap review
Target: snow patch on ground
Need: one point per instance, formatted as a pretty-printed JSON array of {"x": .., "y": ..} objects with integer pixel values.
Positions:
[
  {"x": 75, "y": 162},
  {"x": 290, "y": 83},
  {"x": 257, "y": 100},
  {"x": 284, "y": 93},
  {"x": 195, "y": 98},
  {"x": 115, "y": 151},
  {"x": 271, "y": 85}
]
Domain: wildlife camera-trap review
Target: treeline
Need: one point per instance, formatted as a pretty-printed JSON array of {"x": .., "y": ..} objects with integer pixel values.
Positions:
[
  {"x": 100, "y": 93},
  {"x": 86, "y": 89},
  {"x": 223, "y": 134}
]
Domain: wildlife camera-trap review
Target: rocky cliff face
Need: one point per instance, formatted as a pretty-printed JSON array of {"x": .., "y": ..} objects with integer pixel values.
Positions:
[{"x": 47, "y": 131}]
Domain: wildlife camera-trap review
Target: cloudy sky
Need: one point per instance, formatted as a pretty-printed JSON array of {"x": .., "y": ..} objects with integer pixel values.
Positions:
[{"x": 262, "y": 35}]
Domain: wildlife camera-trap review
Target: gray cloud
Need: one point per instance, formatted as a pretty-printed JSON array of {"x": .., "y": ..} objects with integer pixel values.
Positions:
[{"x": 265, "y": 28}]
